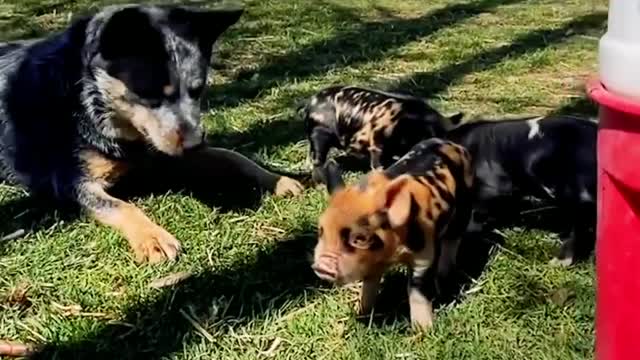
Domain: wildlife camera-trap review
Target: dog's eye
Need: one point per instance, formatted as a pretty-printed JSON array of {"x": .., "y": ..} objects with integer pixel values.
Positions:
[
  {"x": 195, "y": 91},
  {"x": 149, "y": 101},
  {"x": 153, "y": 102}
]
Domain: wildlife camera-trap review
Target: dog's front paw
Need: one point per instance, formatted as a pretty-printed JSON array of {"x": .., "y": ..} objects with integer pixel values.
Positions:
[
  {"x": 288, "y": 186},
  {"x": 154, "y": 244}
]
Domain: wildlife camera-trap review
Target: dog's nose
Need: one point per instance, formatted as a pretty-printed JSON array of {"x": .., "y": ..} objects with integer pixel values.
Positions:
[{"x": 193, "y": 139}]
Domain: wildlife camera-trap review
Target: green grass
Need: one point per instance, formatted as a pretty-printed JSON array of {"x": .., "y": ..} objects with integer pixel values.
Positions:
[{"x": 252, "y": 287}]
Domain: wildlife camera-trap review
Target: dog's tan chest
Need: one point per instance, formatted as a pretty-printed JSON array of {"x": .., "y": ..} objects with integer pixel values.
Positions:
[{"x": 101, "y": 169}]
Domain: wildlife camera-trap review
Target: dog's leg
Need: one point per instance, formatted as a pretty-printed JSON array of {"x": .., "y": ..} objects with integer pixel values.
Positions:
[
  {"x": 149, "y": 241},
  {"x": 223, "y": 164}
]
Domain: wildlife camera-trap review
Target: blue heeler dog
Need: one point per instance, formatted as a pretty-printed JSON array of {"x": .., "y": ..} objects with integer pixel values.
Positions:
[{"x": 115, "y": 90}]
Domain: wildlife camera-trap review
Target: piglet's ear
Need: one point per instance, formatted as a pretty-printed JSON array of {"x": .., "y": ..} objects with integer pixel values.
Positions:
[
  {"x": 398, "y": 201},
  {"x": 456, "y": 118},
  {"x": 452, "y": 121},
  {"x": 202, "y": 24}
]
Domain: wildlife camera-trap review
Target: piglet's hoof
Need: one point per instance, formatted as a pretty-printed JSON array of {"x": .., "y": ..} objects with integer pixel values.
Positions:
[{"x": 566, "y": 262}]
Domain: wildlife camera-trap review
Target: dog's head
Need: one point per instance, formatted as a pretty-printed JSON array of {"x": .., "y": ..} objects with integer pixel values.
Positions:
[
  {"x": 363, "y": 227},
  {"x": 150, "y": 64}
]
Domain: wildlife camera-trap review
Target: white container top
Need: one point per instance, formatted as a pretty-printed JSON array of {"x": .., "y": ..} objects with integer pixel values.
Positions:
[{"x": 619, "y": 49}]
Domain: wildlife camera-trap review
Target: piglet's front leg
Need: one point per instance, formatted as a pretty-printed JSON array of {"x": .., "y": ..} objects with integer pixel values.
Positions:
[
  {"x": 420, "y": 308},
  {"x": 375, "y": 155},
  {"x": 368, "y": 295}
]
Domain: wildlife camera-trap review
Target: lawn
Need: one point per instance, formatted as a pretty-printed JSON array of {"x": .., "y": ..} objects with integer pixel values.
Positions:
[{"x": 72, "y": 286}]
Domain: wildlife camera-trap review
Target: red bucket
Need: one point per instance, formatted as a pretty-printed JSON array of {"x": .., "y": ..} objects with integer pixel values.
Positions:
[{"x": 618, "y": 226}]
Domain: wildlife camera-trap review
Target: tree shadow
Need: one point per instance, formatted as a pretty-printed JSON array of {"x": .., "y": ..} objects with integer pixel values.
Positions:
[
  {"x": 227, "y": 299},
  {"x": 274, "y": 133},
  {"x": 27, "y": 214},
  {"x": 267, "y": 134},
  {"x": 429, "y": 83},
  {"x": 367, "y": 42},
  {"x": 579, "y": 106}
]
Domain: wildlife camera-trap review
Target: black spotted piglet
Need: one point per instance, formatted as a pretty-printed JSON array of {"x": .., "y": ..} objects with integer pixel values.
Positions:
[{"x": 366, "y": 122}]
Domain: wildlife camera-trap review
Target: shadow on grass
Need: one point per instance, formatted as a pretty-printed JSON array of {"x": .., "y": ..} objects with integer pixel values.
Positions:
[
  {"x": 429, "y": 83},
  {"x": 366, "y": 42},
  {"x": 284, "y": 131},
  {"x": 221, "y": 189},
  {"x": 263, "y": 134},
  {"x": 228, "y": 298},
  {"x": 473, "y": 256},
  {"x": 534, "y": 295},
  {"x": 580, "y": 106},
  {"x": 30, "y": 214}
]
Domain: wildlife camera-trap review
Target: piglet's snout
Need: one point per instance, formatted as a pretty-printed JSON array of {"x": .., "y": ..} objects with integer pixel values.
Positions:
[{"x": 326, "y": 267}]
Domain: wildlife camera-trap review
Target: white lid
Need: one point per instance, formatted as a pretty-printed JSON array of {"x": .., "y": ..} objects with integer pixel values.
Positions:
[
  {"x": 619, "y": 50},
  {"x": 624, "y": 20}
]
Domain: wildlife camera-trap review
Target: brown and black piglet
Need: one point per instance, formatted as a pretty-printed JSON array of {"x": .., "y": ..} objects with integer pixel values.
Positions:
[
  {"x": 366, "y": 122},
  {"x": 412, "y": 213}
]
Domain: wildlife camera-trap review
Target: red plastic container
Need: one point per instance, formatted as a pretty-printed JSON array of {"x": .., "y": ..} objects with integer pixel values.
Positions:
[{"x": 618, "y": 227}]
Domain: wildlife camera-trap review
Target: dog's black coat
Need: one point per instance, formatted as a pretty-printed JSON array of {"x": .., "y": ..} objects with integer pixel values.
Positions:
[
  {"x": 551, "y": 158},
  {"x": 370, "y": 122},
  {"x": 115, "y": 89}
]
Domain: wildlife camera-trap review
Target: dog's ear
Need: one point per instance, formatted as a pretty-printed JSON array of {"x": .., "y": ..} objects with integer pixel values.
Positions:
[
  {"x": 204, "y": 26},
  {"x": 129, "y": 33}
]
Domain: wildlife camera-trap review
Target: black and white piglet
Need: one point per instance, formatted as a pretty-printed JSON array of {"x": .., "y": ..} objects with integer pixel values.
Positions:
[{"x": 551, "y": 158}]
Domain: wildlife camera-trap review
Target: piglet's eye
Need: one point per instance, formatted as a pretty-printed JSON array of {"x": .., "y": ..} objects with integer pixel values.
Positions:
[
  {"x": 376, "y": 243},
  {"x": 320, "y": 231}
]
